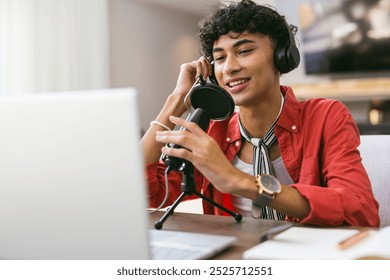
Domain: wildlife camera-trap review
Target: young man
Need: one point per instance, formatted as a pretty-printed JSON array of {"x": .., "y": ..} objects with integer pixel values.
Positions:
[{"x": 310, "y": 147}]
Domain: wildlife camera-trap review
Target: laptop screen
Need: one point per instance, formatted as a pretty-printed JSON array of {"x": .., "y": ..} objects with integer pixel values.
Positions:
[{"x": 72, "y": 176}]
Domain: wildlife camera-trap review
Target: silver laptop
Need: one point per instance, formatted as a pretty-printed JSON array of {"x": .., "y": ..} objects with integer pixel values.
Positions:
[{"x": 72, "y": 179}]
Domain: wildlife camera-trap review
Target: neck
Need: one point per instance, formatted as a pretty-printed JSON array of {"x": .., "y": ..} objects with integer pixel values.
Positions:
[{"x": 258, "y": 119}]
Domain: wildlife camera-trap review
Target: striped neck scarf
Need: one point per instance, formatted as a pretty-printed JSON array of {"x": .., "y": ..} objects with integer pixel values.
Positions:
[{"x": 262, "y": 164}]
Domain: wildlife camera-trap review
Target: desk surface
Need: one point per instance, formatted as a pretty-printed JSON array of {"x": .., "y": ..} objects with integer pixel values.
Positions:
[{"x": 247, "y": 232}]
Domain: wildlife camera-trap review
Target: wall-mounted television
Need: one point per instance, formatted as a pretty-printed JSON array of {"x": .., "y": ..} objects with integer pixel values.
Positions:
[{"x": 346, "y": 36}]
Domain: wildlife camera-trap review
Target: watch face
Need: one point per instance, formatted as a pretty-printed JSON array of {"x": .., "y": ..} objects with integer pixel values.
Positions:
[{"x": 270, "y": 183}]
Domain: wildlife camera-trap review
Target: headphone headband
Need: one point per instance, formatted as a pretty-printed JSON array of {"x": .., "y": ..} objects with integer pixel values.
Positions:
[{"x": 286, "y": 55}]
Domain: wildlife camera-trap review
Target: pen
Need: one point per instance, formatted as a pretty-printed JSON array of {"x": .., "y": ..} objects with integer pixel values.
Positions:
[
  {"x": 274, "y": 231},
  {"x": 354, "y": 239}
]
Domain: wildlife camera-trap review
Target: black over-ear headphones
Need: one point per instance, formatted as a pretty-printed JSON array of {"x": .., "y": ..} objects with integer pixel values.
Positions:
[{"x": 286, "y": 56}]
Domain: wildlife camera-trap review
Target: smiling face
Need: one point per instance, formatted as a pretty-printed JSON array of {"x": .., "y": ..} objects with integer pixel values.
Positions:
[{"x": 244, "y": 66}]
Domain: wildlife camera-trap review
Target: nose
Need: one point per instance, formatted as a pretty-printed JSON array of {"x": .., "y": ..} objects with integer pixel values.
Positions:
[{"x": 231, "y": 65}]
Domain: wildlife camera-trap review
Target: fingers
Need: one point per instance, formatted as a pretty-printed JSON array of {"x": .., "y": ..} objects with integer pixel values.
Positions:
[
  {"x": 178, "y": 153},
  {"x": 189, "y": 138},
  {"x": 201, "y": 66},
  {"x": 181, "y": 138},
  {"x": 190, "y": 72},
  {"x": 190, "y": 126},
  {"x": 206, "y": 68}
]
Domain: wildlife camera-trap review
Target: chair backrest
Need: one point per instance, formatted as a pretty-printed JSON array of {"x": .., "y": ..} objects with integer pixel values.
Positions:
[{"x": 375, "y": 152}]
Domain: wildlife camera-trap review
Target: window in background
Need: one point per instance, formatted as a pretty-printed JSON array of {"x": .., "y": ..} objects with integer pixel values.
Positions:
[{"x": 53, "y": 45}]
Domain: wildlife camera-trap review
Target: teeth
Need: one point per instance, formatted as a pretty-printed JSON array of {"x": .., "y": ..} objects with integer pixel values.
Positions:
[{"x": 236, "y": 83}]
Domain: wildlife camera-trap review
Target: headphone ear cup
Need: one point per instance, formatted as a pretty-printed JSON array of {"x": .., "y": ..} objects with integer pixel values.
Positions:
[
  {"x": 280, "y": 59},
  {"x": 212, "y": 78},
  {"x": 293, "y": 56},
  {"x": 286, "y": 58}
]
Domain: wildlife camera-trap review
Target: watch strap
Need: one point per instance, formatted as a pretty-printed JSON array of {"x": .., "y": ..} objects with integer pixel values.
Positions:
[
  {"x": 263, "y": 199},
  {"x": 268, "y": 188},
  {"x": 259, "y": 203}
]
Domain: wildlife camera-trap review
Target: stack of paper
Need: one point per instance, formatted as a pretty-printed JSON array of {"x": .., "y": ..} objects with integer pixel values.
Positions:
[{"x": 322, "y": 243}]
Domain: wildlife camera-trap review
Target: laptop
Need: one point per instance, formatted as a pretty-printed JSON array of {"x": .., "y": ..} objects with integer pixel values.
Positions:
[{"x": 72, "y": 180}]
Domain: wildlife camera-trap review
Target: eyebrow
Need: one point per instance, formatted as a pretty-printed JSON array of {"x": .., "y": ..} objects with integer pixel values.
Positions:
[{"x": 235, "y": 45}]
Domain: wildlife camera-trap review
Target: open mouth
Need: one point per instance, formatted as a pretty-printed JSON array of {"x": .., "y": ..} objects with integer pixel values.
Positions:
[{"x": 237, "y": 83}]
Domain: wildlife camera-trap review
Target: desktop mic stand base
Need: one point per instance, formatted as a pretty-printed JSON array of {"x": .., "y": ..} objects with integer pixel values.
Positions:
[{"x": 188, "y": 188}]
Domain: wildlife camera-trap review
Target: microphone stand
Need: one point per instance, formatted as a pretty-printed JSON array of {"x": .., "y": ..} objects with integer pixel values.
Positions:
[{"x": 188, "y": 188}]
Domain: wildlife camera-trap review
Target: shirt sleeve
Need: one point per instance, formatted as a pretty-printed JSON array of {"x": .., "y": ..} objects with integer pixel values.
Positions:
[
  {"x": 155, "y": 181},
  {"x": 344, "y": 194}
]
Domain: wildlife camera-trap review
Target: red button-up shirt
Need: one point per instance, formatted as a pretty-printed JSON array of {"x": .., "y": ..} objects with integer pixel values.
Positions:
[{"x": 318, "y": 140}]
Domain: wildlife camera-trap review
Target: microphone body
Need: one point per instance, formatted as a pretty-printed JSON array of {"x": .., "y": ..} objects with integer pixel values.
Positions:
[
  {"x": 210, "y": 101},
  {"x": 200, "y": 117}
]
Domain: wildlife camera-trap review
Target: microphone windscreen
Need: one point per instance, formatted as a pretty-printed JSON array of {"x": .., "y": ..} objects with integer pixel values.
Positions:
[{"x": 216, "y": 101}]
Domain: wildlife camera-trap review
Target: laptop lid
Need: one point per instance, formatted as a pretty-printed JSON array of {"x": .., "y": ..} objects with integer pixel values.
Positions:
[{"x": 71, "y": 176}]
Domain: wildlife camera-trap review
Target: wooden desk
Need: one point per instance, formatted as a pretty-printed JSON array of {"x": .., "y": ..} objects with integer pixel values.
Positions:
[{"x": 248, "y": 231}]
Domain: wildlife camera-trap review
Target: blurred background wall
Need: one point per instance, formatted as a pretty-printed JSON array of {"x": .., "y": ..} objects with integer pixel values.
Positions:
[{"x": 58, "y": 45}]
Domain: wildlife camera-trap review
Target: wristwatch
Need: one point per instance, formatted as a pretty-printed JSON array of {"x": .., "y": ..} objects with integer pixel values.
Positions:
[{"x": 268, "y": 186}]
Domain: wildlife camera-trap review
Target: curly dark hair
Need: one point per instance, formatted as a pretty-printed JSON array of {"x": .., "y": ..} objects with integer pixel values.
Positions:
[{"x": 239, "y": 17}]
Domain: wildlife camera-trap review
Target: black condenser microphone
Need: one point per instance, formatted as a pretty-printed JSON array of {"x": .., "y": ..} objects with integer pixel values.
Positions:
[
  {"x": 200, "y": 117},
  {"x": 210, "y": 101}
]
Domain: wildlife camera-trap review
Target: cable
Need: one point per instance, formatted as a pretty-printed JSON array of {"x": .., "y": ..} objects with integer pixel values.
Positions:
[
  {"x": 169, "y": 168},
  {"x": 186, "y": 102}
]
